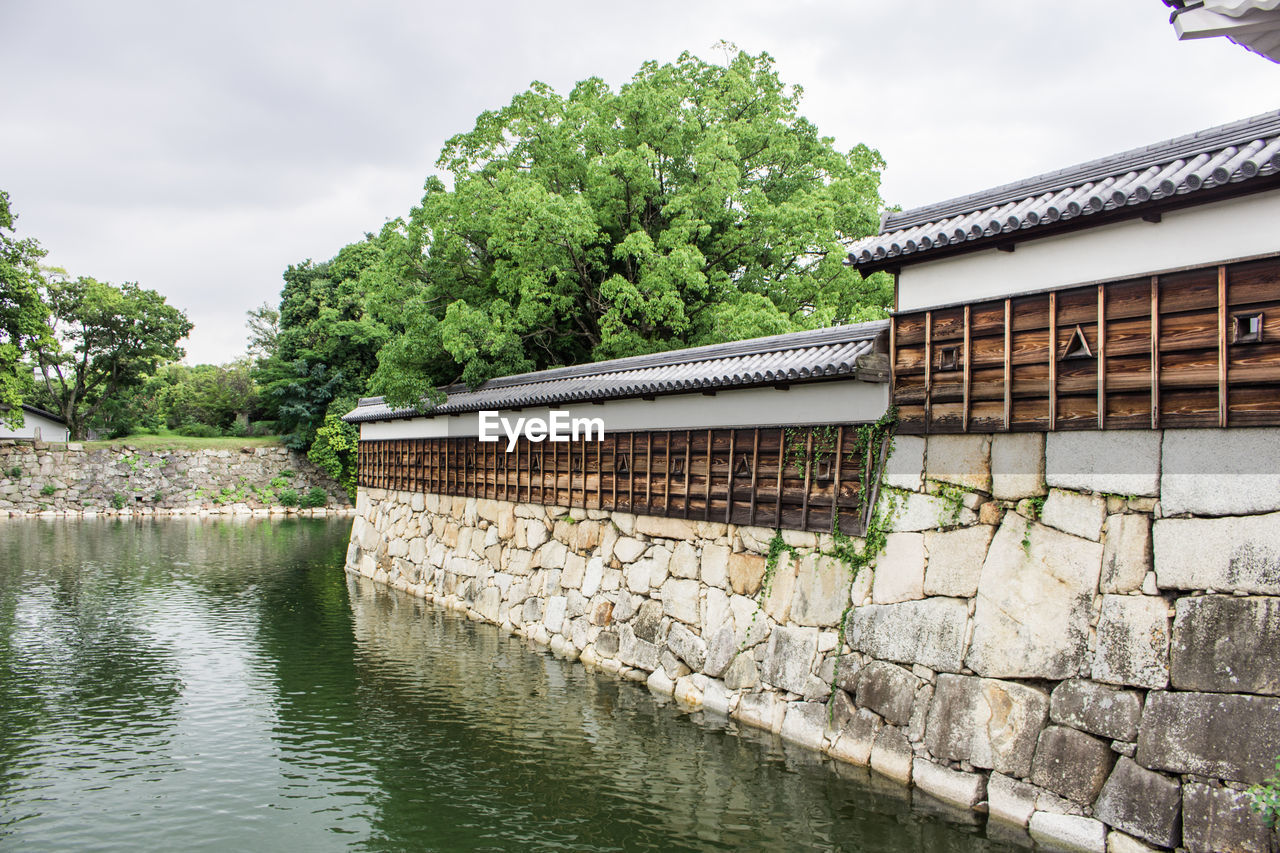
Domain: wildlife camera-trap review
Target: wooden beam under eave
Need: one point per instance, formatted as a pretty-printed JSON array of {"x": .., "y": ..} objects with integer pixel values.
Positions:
[
  {"x": 1053, "y": 361},
  {"x": 1222, "y": 345},
  {"x": 1102, "y": 357},
  {"x": 1008, "y": 363},
  {"x": 1155, "y": 352},
  {"x": 928, "y": 370},
  {"x": 964, "y": 417}
]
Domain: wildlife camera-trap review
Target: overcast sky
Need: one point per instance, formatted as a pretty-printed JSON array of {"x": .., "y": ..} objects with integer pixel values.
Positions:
[{"x": 200, "y": 149}]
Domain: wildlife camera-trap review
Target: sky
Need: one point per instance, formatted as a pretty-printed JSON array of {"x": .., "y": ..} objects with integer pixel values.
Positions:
[{"x": 200, "y": 149}]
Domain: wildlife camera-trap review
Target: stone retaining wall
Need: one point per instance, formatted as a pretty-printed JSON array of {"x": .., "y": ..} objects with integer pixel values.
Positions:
[
  {"x": 66, "y": 479},
  {"x": 1077, "y": 633}
]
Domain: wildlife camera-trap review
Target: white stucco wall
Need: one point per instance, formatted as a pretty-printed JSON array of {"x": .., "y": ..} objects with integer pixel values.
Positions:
[
  {"x": 838, "y": 401},
  {"x": 35, "y": 427},
  {"x": 1198, "y": 236}
]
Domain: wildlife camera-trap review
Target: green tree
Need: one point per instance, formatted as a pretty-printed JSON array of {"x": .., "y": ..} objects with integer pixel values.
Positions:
[
  {"x": 106, "y": 339},
  {"x": 693, "y": 205},
  {"x": 334, "y": 451},
  {"x": 23, "y": 315}
]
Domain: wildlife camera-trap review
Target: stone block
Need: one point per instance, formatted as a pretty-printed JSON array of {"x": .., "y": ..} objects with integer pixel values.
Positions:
[
  {"x": 553, "y": 618},
  {"x": 628, "y": 550},
  {"x": 805, "y": 724},
  {"x": 742, "y": 673},
  {"x": 1068, "y": 833},
  {"x": 1126, "y": 552},
  {"x": 648, "y": 620},
  {"x": 855, "y": 737},
  {"x": 888, "y": 690},
  {"x": 891, "y": 754},
  {"x": 955, "y": 559},
  {"x": 1210, "y": 734},
  {"x": 1118, "y": 462},
  {"x": 593, "y": 573},
  {"x": 905, "y": 468},
  {"x": 991, "y": 724},
  {"x": 1071, "y": 763},
  {"x": 929, "y": 632},
  {"x": 1074, "y": 513},
  {"x": 606, "y": 644},
  {"x": 1097, "y": 708},
  {"x": 720, "y": 651},
  {"x": 575, "y": 568},
  {"x": 1118, "y": 842},
  {"x": 963, "y": 460},
  {"x": 685, "y": 561},
  {"x": 821, "y": 591},
  {"x": 788, "y": 658},
  {"x": 665, "y": 528},
  {"x": 762, "y": 710},
  {"x": 1010, "y": 800},
  {"x": 746, "y": 572},
  {"x": 635, "y": 652},
  {"x": 489, "y": 602},
  {"x": 917, "y": 512},
  {"x": 900, "y": 569},
  {"x": 1133, "y": 641},
  {"x": 687, "y": 646},
  {"x": 680, "y": 599},
  {"x": 1224, "y": 554},
  {"x": 1017, "y": 466},
  {"x": 1220, "y": 472},
  {"x": 714, "y": 568},
  {"x": 961, "y": 789},
  {"x": 1034, "y": 603},
  {"x": 1141, "y": 803},
  {"x": 1215, "y": 819},
  {"x": 1226, "y": 644}
]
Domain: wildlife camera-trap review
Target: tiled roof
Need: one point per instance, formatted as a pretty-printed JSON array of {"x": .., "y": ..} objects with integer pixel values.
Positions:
[
  {"x": 790, "y": 358},
  {"x": 1140, "y": 179}
]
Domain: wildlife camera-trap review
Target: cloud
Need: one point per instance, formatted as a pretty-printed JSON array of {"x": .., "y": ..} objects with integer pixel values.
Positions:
[{"x": 200, "y": 150}]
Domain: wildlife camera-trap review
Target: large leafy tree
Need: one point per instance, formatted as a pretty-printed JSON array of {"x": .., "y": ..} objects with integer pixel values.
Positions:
[
  {"x": 105, "y": 340},
  {"x": 693, "y": 205},
  {"x": 23, "y": 316}
]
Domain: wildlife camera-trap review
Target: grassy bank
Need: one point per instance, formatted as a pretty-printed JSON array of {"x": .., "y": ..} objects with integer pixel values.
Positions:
[{"x": 149, "y": 441}]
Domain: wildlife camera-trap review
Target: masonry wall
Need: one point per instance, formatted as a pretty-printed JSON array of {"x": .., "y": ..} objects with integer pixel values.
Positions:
[
  {"x": 1077, "y": 633},
  {"x": 37, "y": 477}
]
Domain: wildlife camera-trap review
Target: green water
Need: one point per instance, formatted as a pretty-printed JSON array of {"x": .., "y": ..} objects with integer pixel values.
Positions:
[{"x": 214, "y": 685}]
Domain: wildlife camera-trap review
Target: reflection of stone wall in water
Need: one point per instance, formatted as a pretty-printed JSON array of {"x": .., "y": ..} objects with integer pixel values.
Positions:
[
  {"x": 67, "y": 479},
  {"x": 1080, "y": 630}
]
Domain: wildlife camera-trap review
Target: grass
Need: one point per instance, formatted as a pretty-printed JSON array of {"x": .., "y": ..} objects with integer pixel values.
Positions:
[{"x": 167, "y": 441}]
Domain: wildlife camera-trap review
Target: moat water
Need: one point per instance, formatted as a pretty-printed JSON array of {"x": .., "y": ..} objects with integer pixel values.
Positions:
[{"x": 221, "y": 685}]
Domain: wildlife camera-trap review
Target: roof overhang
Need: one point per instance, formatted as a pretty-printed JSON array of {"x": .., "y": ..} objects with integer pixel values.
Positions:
[{"x": 1252, "y": 24}]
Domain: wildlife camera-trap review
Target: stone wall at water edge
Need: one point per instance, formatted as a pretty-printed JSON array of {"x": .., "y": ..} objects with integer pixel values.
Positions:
[
  {"x": 66, "y": 479},
  {"x": 1077, "y": 633}
]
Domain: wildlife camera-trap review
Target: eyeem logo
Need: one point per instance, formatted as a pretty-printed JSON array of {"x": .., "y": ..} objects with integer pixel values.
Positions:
[{"x": 560, "y": 427}]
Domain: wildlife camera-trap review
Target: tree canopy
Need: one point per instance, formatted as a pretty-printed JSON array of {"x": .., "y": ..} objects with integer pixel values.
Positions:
[
  {"x": 22, "y": 313},
  {"x": 693, "y": 205},
  {"x": 105, "y": 340}
]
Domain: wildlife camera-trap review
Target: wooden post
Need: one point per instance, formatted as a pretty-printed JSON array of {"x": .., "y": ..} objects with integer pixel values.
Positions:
[
  {"x": 782, "y": 464},
  {"x": 1222, "y": 345},
  {"x": 599, "y": 474},
  {"x": 648, "y": 471},
  {"x": 964, "y": 418},
  {"x": 1053, "y": 361},
  {"x": 893, "y": 355},
  {"x": 1102, "y": 357},
  {"x": 835, "y": 484},
  {"x": 1008, "y": 364},
  {"x": 808, "y": 479},
  {"x": 688, "y": 463},
  {"x": 631, "y": 472},
  {"x": 928, "y": 371},
  {"x": 728, "y": 494},
  {"x": 706, "y": 509},
  {"x": 755, "y": 469},
  {"x": 613, "y": 477},
  {"x": 666, "y": 477}
]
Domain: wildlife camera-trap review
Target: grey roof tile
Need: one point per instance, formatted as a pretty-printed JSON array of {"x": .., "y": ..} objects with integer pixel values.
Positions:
[
  {"x": 1228, "y": 154},
  {"x": 794, "y": 357}
]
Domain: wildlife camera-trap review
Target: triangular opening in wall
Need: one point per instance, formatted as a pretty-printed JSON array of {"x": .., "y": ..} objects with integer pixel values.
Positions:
[
  {"x": 576, "y": 465},
  {"x": 743, "y": 468},
  {"x": 676, "y": 467},
  {"x": 535, "y": 464},
  {"x": 1077, "y": 347},
  {"x": 623, "y": 463}
]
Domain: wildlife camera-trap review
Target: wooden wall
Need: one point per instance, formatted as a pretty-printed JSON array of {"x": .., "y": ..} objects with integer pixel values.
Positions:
[
  {"x": 1164, "y": 351},
  {"x": 796, "y": 478}
]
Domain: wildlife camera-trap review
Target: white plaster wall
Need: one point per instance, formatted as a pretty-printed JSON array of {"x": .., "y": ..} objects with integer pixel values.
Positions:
[
  {"x": 840, "y": 401},
  {"x": 35, "y": 426},
  {"x": 1226, "y": 230}
]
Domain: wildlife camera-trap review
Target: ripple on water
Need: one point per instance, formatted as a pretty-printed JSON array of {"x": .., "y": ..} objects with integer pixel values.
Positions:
[{"x": 222, "y": 685}]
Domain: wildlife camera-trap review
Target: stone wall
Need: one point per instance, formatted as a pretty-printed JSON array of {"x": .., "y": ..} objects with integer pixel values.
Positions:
[
  {"x": 1077, "y": 633},
  {"x": 67, "y": 479}
]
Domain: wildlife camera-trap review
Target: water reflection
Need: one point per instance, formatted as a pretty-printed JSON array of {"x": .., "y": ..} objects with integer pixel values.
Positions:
[{"x": 217, "y": 684}]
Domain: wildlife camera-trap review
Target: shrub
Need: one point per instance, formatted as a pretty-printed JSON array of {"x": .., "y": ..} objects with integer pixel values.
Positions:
[
  {"x": 118, "y": 500},
  {"x": 198, "y": 430},
  {"x": 315, "y": 497},
  {"x": 15, "y": 472},
  {"x": 1266, "y": 797},
  {"x": 157, "y": 497},
  {"x": 48, "y": 489},
  {"x": 289, "y": 497}
]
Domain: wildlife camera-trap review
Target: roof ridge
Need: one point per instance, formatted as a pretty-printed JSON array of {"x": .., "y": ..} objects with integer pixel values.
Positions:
[{"x": 1134, "y": 159}]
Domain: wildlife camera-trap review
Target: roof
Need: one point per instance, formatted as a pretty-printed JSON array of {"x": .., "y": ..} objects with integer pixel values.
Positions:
[
  {"x": 790, "y": 358},
  {"x": 1252, "y": 24},
  {"x": 1238, "y": 157},
  {"x": 41, "y": 412}
]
